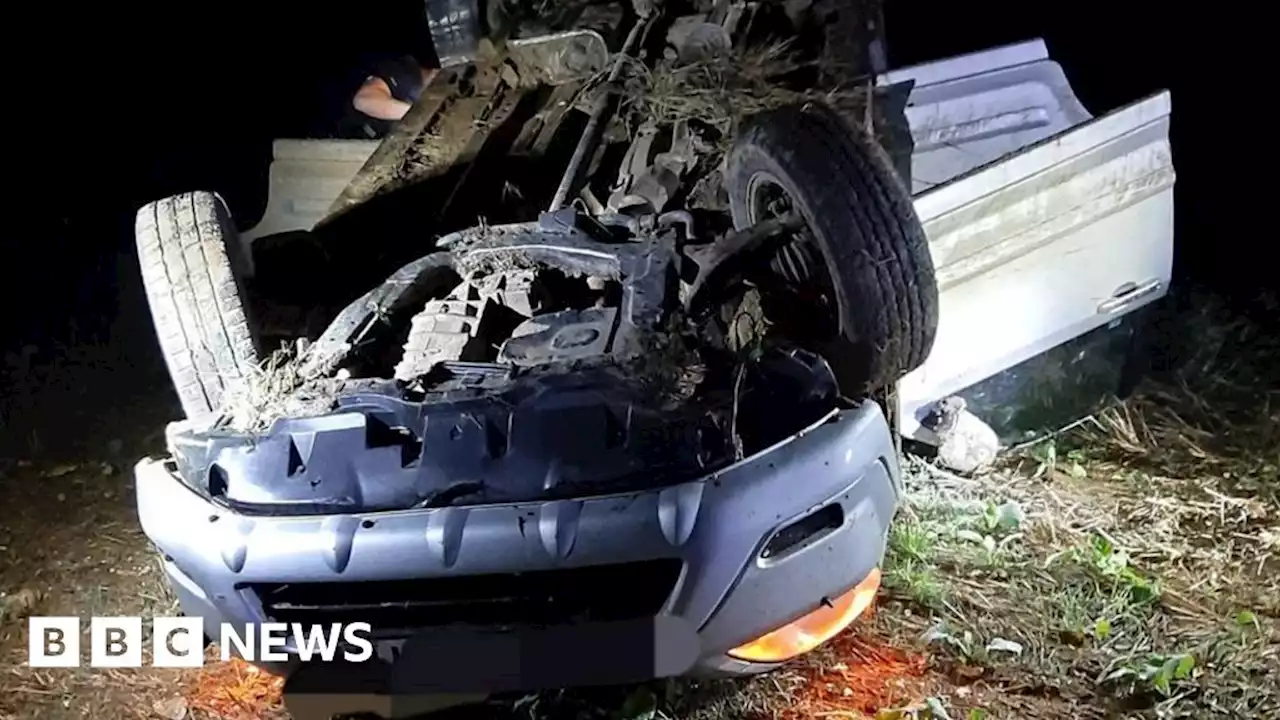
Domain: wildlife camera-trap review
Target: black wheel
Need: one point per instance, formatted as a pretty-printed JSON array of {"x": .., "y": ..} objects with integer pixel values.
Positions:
[
  {"x": 188, "y": 247},
  {"x": 857, "y": 283}
]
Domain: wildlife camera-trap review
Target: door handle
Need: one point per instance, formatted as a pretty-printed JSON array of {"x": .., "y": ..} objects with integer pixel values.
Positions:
[{"x": 1128, "y": 295}]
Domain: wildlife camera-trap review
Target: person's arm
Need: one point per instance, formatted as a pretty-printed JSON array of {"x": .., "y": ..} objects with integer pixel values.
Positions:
[{"x": 374, "y": 99}]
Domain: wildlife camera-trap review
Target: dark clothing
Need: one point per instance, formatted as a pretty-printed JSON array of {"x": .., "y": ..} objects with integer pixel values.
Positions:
[{"x": 402, "y": 74}]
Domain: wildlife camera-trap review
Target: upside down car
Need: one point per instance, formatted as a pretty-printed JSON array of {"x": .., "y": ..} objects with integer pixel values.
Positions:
[{"x": 611, "y": 411}]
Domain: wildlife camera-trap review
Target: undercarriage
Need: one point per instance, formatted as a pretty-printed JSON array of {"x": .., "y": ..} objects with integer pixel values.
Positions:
[{"x": 696, "y": 289}]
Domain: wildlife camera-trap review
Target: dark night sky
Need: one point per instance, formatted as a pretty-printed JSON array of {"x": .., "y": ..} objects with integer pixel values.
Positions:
[{"x": 148, "y": 102}]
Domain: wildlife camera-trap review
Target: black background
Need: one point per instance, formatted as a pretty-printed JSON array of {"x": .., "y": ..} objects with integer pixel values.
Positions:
[{"x": 119, "y": 104}]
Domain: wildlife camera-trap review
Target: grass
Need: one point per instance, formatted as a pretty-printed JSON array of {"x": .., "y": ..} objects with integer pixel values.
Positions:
[
  {"x": 1132, "y": 562},
  {"x": 1080, "y": 601}
]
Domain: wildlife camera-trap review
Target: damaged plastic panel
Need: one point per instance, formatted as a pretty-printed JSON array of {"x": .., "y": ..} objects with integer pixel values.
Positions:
[
  {"x": 487, "y": 433},
  {"x": 535, "y": 377},
  {"x": 482, "y": 436}
]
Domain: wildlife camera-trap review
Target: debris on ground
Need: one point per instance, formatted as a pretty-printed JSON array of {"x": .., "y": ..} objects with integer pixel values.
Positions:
[
  {"x": 235, "y": 690},
  {"x": 174, "y": 708},
  {"x": 858, "y": 675},
  {"x": 17, "y": 606},
  {"x": 62, "y": 470},
  {"x": 965, "y": 443}
]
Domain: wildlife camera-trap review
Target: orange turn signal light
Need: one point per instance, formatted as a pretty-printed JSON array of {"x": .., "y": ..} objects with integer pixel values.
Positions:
[{"x": 802, "y": 635}]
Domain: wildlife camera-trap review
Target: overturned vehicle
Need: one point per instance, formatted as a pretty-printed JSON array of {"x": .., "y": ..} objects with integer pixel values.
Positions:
[{"x": 681, "y": 400}]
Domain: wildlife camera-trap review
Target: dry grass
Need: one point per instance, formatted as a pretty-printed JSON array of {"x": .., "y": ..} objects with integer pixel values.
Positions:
[
  {"x": 1219, "y": 416},
  {"x": 266, "y": 392},
  {"x": 282, "y": 386},
  {"x": 723, "y": 90},
  {"x": 1134, "y": 561},
  {"x": 234, "y": 690},
  {"x": 75, "y": 548}
]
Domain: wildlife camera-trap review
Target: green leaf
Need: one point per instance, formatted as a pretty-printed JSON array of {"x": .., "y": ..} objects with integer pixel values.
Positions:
[
  {"x": 1046, "y": 452},
  {"x": 1246, "y": 617},
  {"x": 1102, "y": 629},
  {"x": 1164, "y": 677},
  {"x": 990, "y": 517},
  {"x": 1102, "y": 547},
  {"x": 1141, "y": 589},
  {"x": 977, "y": 714},
  {"x": 1186, "y": 664},
  {"x": 1078, "y": 471}
]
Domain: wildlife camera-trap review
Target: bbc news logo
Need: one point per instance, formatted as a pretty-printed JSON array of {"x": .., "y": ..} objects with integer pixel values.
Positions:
[{"x": 179, "y": 642}]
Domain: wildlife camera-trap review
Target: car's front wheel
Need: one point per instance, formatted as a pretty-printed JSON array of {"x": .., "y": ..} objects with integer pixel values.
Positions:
[
  {"x": 856, "y": 283},
  {"x": 187, "y": 247}
]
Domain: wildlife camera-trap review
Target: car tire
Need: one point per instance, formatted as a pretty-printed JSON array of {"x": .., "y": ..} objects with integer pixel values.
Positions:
[
  {"x": 188, "y": 249},
  {"x": 860, "y": 223}
]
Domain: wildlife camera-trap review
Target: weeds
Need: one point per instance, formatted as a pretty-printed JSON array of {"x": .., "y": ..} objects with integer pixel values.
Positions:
[
  {"x": 909, "y": 564},
  {"x": 1132, "y": 560},
  {"x": 1155, "y": 672}
]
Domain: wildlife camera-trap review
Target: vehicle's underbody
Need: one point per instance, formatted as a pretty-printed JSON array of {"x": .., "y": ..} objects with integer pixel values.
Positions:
[{"x": 608, "y": 345}]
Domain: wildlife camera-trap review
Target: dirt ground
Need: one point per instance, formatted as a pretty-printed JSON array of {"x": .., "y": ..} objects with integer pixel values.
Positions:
[{"x": 1125, "y": 569}]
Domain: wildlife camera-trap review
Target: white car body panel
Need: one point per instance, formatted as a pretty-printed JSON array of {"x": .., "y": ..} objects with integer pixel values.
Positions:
[
  {"x": 306, "y": 176},
  {"x": 1044, "y": 222}
]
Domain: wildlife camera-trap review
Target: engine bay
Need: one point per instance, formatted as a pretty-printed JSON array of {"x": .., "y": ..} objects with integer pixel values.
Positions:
[{"x": 519, "y": 362}]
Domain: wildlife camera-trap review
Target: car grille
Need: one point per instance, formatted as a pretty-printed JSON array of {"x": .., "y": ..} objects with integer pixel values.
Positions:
[{"x": 599, "y": 593}]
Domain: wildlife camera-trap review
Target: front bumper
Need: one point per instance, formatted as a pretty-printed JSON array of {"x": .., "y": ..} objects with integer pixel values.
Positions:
[{"x": 728, "y": 586}]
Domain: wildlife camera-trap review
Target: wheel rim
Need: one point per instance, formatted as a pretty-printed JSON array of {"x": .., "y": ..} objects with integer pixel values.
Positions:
[{"x": 796, "y": 281}]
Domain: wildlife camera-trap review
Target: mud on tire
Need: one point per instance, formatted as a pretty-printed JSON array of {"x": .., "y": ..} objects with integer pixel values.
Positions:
[
  {"x": 187, "y": 245},
  {"x": 861, "y": 221}
]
